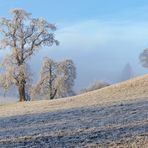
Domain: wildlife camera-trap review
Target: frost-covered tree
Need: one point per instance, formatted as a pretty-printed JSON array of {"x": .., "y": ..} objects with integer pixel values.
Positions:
[
  {"x": 48, "y": 75},
  {"x": 94, "y": 86},
  {"x": 144, "y": 58},
  {"x": 23, "y": 35},
  {"x": 127, "y": 73},
  {"x": 56, "y": 79},
  {"x": 66, "y": 77}
]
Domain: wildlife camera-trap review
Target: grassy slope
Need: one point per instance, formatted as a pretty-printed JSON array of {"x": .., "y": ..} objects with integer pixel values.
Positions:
[
  {"x": 133, "y": 89},
  {"x": 113, "y": 116}
]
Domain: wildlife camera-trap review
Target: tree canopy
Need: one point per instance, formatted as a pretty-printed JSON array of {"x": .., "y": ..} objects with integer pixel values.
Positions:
[{"x": 23, "y": 35}]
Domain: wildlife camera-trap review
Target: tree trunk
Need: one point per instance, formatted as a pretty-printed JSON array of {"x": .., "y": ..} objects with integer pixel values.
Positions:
[
  {"x": 53, "y": 95},
  {"x": 21, "y": 93}
]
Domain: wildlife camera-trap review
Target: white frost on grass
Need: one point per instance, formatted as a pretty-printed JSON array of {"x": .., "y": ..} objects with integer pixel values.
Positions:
[
  {"x": 76, "y": 127},
  {"x": 136, "y": 88},
  {"x": 96, "y": 118}
]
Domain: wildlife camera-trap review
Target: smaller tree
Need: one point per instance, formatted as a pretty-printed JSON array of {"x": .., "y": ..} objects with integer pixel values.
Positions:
[
  {"x": 56, "y": 79},
  {"x": 127, "y": 72},
  {"x": 66, "y": 75},
  {"x": 94, "y": 86},
  {"x": 144, "y": 58}
]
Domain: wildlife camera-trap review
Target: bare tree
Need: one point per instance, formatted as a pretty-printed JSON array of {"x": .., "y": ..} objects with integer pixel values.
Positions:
[
  {"x": 144, "y": 58},
  {"x": 56, "y": 79},
  {"x": 23, "y": 35}
]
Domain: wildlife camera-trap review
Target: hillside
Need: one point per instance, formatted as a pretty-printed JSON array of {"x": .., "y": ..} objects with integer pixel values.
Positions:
[
  {"x": 115, "y": 116},
  {"x": 129, "y": 90}
]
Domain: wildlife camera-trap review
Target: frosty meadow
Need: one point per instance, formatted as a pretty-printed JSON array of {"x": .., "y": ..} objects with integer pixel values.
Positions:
[{"x": 49, "y": 113}]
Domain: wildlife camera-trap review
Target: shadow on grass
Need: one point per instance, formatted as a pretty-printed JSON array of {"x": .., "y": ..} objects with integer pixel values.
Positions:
[{"x": 75, "y": 127}]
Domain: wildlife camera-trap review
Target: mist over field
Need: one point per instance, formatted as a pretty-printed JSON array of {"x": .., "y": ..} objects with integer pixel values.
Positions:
[
  {"x": 100, "y": 54},
  {"x": 100, "y": 42}
]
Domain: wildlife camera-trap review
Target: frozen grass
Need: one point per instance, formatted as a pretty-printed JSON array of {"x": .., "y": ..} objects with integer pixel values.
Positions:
[
  {"x": 136, "y": 88},
  {"x": 115, "y": 116},
  {"x": 87, "y": 126},
  {"x": 132, "y": 142}
]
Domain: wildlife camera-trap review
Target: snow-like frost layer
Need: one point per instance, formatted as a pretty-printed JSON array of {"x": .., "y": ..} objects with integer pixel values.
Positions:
[{"x": 76, "y": 127}]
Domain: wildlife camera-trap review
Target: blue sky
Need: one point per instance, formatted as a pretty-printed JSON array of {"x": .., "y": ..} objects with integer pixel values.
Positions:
[
  {"x": 101, "y": 36},
  {"x": 80, "y": 10}
]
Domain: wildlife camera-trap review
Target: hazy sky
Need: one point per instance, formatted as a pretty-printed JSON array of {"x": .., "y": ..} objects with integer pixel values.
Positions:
[{"x": 101, "y": 36}]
